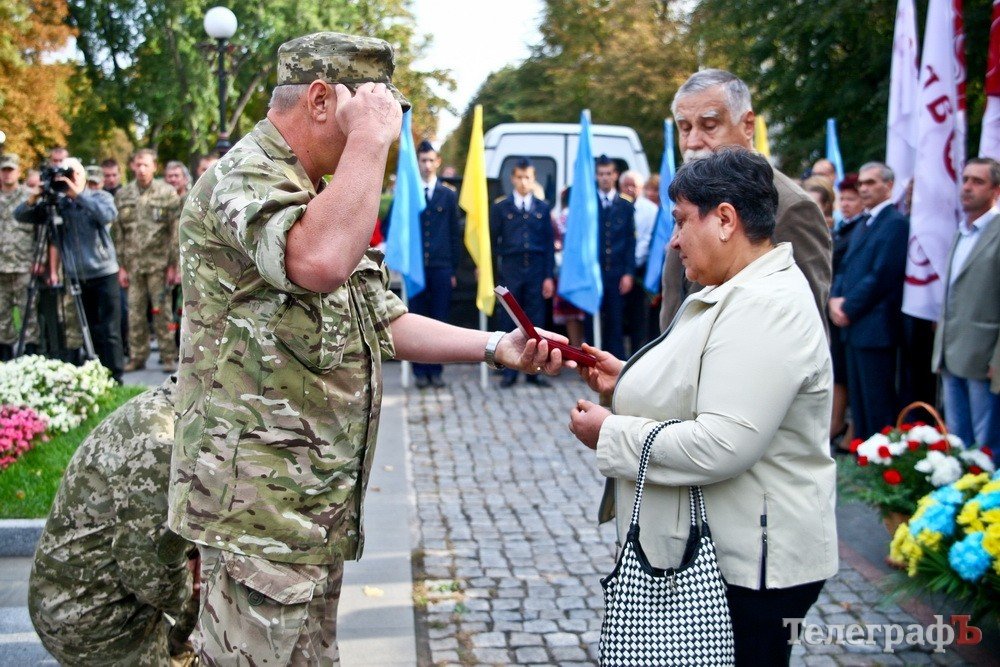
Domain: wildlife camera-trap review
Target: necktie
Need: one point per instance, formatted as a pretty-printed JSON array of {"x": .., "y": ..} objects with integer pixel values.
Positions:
[
  {"x": 427, "y": 194},
  {"x": 605, "y": 201}
]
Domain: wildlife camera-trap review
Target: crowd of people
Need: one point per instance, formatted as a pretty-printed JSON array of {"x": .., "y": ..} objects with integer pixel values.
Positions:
[
  {"x": 288, "y": 317},
  {"x": 71, "y": 225}
]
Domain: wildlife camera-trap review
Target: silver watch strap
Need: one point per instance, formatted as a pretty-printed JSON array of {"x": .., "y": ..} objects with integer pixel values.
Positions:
[{"x": 490, "y": 356}]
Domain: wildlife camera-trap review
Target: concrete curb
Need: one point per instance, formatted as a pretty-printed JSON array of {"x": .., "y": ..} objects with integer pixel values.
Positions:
[{"x": 18, "y": 537}]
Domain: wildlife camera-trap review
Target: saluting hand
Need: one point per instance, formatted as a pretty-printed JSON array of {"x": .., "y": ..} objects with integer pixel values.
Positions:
[{"x": 372, "y": 111}]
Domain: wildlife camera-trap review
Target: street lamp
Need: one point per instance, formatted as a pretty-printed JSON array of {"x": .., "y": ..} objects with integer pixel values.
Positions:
[{"x": 220, "y": 24}]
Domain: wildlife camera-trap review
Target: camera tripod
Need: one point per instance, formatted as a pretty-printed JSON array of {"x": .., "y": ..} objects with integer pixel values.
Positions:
[{"x": 53, "y": 232}]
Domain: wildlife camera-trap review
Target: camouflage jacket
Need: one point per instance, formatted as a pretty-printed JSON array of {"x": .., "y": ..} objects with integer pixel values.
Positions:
[
  {"x": 17, "y": 239},
  {"x": 146, "y": 228},
  {"x": 106, "y": 567},
  {"x": 280, "y": 388}
]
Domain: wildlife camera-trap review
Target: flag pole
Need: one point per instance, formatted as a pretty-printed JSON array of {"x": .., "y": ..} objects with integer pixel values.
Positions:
[
  {"x": 406, "y": 364},
  {"x": 483, "y": 371}
]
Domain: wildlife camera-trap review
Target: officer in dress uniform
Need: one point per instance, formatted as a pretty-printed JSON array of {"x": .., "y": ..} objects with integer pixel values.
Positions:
[
  {"x": 616, "y": 246},
  {"x": 521, "y": 234},
  {"x": 441, "y": 228}
]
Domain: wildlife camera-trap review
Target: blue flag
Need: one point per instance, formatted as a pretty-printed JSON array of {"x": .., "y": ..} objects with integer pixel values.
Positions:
[
  {"x": 833, "y": 149},
  {"x": 403, "y": 248},
  {"x": 580, "y": 274},
  {"x": 664, "y": 227}
]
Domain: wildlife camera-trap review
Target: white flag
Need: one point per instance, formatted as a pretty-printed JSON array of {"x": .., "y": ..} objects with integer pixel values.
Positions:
[
  {"x": 989, "y": 141},
  {"x": 940, "y": 157},
  {"x": 901, "y": 139}
]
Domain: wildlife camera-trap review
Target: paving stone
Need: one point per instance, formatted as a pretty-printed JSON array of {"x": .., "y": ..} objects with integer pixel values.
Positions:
[
  {"x": 563, "y": 654},
  {"x": 561, "y": 639},
  {"x": 530, "y": 655},
  {"x": 489, "y": 640}
]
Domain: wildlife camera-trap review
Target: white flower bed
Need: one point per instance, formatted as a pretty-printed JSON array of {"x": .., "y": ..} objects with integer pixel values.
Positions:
[{"x": 64, "y": 393}]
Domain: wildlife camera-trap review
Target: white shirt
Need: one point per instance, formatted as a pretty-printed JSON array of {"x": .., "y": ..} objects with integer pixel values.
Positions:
[
  {"x": 645, "y": 220},
  {"x": 608, "y": 197},
  {"x": 878, "y": 208},
  {"x": 968, "y": 235},
  {"x": 522, "y": 203},
  {"x": 429, "y": 187}
]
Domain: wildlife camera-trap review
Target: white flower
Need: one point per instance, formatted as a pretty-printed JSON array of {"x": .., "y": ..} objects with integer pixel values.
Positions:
[
  {"x": 925, "y": 434},
  {"x": 869, "y": 449},
  {"x": 943, "y": 469},
  {"x": 955, "y": 441},
  {"x": 976, "y": 457},
  {"x": 63, "y": 393}
]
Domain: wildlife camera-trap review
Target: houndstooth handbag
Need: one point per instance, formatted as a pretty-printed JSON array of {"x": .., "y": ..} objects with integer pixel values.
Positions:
[{"x": 677, "y": 616}]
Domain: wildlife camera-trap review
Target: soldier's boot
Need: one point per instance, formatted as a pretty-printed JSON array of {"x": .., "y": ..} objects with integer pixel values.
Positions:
[
  {"x": 6, "y": 352},
  {"x": 135, "y": 365}
]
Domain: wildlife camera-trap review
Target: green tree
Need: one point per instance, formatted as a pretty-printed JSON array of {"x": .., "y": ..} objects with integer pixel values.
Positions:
[
  {"x": 621, "y": 59},
  {"x": 149, "y": 68},
  {"x": 807, "y": 61}
]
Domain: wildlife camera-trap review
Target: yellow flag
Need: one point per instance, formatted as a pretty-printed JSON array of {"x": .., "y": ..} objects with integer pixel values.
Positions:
[
  {"x": 760, "y": 142},
  {"x": 474, "y": 200}
]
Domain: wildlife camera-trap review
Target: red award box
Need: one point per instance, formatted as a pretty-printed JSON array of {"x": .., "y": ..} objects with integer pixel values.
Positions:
[{"x": 517, "y": 314}]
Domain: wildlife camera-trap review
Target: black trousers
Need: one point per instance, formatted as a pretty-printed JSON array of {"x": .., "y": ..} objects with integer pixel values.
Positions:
[
  {"x": 102, "y": 305},
  {"x": 917, "y": 382},
  {"x": 760, "y": 633},
  {"x": 871, "y": 388},
  {"x": 434, "y": 302}
]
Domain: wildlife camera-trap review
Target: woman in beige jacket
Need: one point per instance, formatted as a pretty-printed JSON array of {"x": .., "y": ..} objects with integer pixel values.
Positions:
[{"x": 746, "y": 368}]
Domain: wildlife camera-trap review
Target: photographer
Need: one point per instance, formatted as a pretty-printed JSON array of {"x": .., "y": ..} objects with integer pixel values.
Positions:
[{"x": 84, "y": 236}]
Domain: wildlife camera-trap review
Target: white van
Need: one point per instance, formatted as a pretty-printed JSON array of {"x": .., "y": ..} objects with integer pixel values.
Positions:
[{"x": 551, "y": 148}]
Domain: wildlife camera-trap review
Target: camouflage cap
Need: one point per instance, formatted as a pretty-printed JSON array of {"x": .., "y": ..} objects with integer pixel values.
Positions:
[
  {"x": 9, "y": 161},
  {"x": 338, "y": 58},
  {"x": 94, "y": 174}
]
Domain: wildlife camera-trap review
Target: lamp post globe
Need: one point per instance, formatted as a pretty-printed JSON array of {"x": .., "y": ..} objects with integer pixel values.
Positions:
[{"x": 221, "y": 24}]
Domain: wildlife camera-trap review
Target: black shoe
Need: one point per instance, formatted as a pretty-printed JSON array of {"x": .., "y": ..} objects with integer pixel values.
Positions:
[
  {"x": 438, "y": 383},
  {"x": 508, "y": 381},
  {"x": 423, "y": 382},
  {"x": 538, "y": 381}
]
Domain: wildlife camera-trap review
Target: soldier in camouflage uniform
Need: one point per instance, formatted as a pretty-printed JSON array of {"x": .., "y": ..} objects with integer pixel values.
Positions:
[
  {"x": 109, "y": 579},
  {"x": 287, "y": 319},
  {"x": 146, "y": 233},
  {"x": 17, "y": 241}
]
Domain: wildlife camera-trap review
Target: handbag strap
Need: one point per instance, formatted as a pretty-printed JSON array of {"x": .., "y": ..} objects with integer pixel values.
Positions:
[{"x": 640, "y": 478}]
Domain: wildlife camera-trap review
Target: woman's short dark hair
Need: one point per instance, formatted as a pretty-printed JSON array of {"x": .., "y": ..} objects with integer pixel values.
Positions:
[{"x": 736, "y": 176}]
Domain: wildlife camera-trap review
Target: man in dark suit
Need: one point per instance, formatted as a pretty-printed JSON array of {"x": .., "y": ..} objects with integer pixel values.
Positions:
[
  {"x": 616, "y": 248},
  {"x": 865, "y": 302},
  {"x": 967, "y": 340},
  {"x": 441, "y": 229},
  {"x": 712, "y": 109},
  {"x": 523, "y": 242}
]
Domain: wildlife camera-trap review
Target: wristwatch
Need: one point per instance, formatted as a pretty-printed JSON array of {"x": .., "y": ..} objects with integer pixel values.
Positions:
[{"x": 490, "y": 356}]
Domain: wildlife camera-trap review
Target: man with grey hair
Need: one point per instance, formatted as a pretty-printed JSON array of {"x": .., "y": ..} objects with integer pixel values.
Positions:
[
  {"x": 712, "y": 109},
  {"x": 866, "y": 299},
  {"x": 176, "y": 174}
]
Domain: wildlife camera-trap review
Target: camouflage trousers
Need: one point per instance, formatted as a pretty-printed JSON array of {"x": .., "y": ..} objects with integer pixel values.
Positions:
[
  {"x": 255, "y": 611},
  {"x": 150, "y": 650},
  {"x": 145, "y": 288},
  {"x": 13, "y": 290}
]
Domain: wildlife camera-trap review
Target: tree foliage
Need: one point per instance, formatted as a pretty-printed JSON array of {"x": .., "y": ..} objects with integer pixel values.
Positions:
[
  {"x": 32, "y": 91},
  {"x": 149, "y": 68},
  {"x": 809, "y": 60},
  {"x": 622, "y": 59}
]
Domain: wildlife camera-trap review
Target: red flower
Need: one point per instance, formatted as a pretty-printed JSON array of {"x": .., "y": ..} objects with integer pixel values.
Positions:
[
  {"x": 905, "y": 427},
  {"x": 855, "y": 444},
  {"x": 913, "y": 445},
  {"x": 887, "y": 430},
  {"x": 884, "y": 452},
  {"x": 975, "y": 470},
  {"x": 986, "y": 450},
  {"x": 939, "y": 446},
  {"x": 862, "y": 461},
  {"x": 892, "y": 476}
]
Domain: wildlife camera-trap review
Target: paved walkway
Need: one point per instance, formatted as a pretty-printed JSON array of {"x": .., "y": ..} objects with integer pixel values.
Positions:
[{"x": 495, "y": 501}]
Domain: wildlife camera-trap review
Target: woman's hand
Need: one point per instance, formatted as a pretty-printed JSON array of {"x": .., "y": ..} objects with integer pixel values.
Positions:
[
  {"x": 530, "y": 355},
  {"x": 585, "y": 421},
  {"x": 603, "y": 377}
]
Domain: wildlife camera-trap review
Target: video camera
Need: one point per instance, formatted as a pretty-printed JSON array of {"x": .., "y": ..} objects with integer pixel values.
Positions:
[{"x": 51, "y": 186}]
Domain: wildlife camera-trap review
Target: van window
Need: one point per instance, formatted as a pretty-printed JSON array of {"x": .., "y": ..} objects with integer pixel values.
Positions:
[{"x": 545, "y": 174}]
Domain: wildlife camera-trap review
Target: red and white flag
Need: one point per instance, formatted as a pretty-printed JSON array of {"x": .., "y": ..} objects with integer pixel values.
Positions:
[
  {"x": 989, "y": 141},
  {"x": 940, "y": 157},
  {"x": 904, "y": 86}
]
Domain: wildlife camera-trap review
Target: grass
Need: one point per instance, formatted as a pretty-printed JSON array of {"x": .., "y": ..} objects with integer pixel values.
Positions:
[{"x": 28, "y": 487}]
